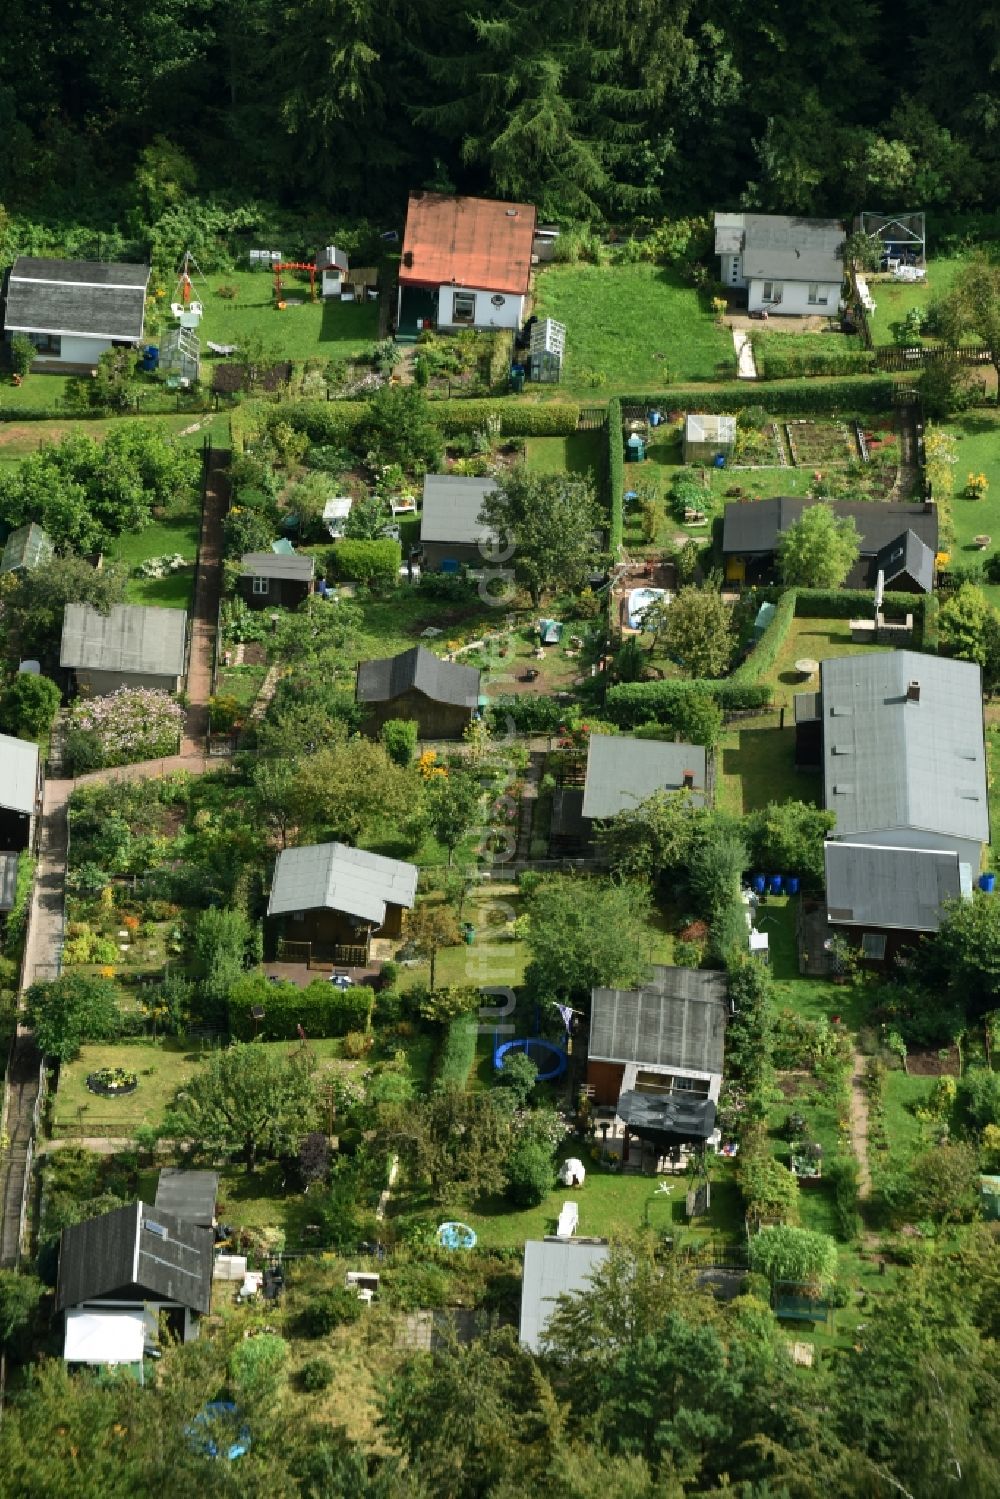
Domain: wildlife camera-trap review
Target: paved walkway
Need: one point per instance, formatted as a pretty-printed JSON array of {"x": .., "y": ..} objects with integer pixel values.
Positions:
[
  {"x": 15, "y": 1161},
  {"x": 207, "y": 593},
  {"x": 859, "y": 1125},
  {"x": 746, "y": 367}
]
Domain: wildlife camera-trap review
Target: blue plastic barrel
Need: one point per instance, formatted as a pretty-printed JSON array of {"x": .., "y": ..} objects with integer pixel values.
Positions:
[
  {"x": 150, "y": 357},
  {"x": 654, "y": 418},
  {"x": 987, "y": 882},
  {"x": 774, "y": 884},
  {"x": 719, "y": 461},
  {"x": 759, "y": 884},
  {"x": 793, "y": 884}
]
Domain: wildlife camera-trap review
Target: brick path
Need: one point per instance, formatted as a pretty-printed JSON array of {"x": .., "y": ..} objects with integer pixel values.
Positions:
[{"x": 207, "y": 593}]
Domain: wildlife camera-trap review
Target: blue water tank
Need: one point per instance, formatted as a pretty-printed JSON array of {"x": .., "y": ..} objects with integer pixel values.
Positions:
[
  {"x": 774, "y": 884},
  {"x": 793, "y": 884},
  {"x": 987, "y": 883},
  {"x": 654, "y": 418},
  {"x": 151, "y": 357},
  {"x": 719, "y": 460},
  {"x": 759, "y": 884}
]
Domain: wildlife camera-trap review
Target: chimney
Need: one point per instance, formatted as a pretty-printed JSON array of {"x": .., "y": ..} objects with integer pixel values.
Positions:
[
  {"x": 408, "y": 259},
  {"x": 913, "y": 692},
  {"x": 689, "y": 780}
]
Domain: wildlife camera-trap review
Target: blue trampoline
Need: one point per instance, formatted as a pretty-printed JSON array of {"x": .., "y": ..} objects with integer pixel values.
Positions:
[{"x": 549, "y": 1058}]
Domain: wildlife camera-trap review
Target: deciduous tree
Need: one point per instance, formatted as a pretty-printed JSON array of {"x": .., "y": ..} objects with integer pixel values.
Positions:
[
  {"x": 583, "y": 933},
  {"x": 545, "y": 525},
  {"x": 70, "y": 1010},
  {"x": 819, "y": 549},
  {"x": 249, "y": 1098},
  {"x": 697, "y": 632}
]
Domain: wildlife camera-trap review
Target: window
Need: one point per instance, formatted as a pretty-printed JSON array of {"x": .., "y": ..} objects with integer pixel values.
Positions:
[
  {"x": 772, "y": 291},
  {"x": 47, "y": 343},
  {"x": 815, "y": 300},
  {"x": 261, "y": 585},
  {"x": 873, "y": 946},
  {"x": 463, "y": 308}
]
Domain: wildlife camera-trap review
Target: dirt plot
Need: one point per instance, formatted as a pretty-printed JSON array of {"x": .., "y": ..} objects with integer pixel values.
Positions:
[
  {"x": 14, "y": 435},
  {"x": 943, "y": 1063}
]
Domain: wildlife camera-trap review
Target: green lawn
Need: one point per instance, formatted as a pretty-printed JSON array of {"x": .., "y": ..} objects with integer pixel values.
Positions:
[
  {"x": 811, "y": 639},
  {"x": 582, "y": 453},
  {"x": 327, "y": 330},
  {"x": 630, "y": 328},
  {"x": 894, "y": 299},
  {"x": 18, "y": 439},
  {"x": 978, "y": 437},
  {"x": 757, "y": 766},
  {"x": 162, "y": 1068},
  {"x": 35, "y": 390},
  {"x": 902, "y": 1094},
  {"x": 612, "y": 1205},
  {"x": 812, "y": 998}
]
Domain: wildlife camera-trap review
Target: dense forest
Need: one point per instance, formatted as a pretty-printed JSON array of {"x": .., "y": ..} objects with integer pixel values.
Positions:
[{"x": 119, "y": 113}]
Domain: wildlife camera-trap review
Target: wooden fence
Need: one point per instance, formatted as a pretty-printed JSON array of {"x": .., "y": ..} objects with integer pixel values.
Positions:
[
  {"x": 592, "y": 419},
  {"x": 891, "y": 358}
]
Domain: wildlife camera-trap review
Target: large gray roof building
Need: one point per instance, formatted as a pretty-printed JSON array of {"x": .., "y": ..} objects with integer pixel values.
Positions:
[
  {"x": 899, "y": 888},
  {"x": 135, "y": 1253},
  {"x": 782, "y": 246},
  {"x": 451, "y": 507},
  {"x": 98, "y": 299},
  {"x": 622, "y": 772},
  {"x": 677, "y": 1021},
  {"x": 337, "y": 878},
  {"x": 132, "y": 639},
  {"x": 421, "y": 671},
  {"x": 901, "y": 540},
  {"x": 904, "y": 751},
  {"x": 554, "y": 1268}
]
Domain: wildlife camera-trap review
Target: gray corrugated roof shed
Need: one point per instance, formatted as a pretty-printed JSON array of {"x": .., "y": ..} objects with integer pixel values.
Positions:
[
  {"x": 337, "y": 878},
  {"x": 132, "y": 638},
  {"x": 868, "y": 885},
  {"x": 8, "y": 881},
  {"x": 553, "y": 1268},
  {"x": 451, "y": 507},
  {"x": 124, "y": 1254},
  {"x": 677, "y": 1021},
  {"x": 785, "y": 248},
  {"x": 92, "y": 298},
  {"x": 18, "y": 774},
  {"x": 908, "y": 556},
  {"x": 622, "y": 772},
  {"x": 277, "y": 565},
  {"x": 188, "y": 1194},
  {"x": 29, "y": 546},
  {"x": 807, "y": 706},
  {"x": 419, "y": 669},
  {"x": 891, "y": 763},
  {"x": 752, "y": 530}
]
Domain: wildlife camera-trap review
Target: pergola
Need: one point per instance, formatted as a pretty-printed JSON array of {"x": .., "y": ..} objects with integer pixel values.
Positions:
[{"x": 900, "y": 234}]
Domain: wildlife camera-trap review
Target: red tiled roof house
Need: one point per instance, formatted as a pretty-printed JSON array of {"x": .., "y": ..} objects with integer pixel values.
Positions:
[{"x": 466, "y": 263}]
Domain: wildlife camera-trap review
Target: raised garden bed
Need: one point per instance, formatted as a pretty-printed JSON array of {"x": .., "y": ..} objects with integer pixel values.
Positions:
[{"x": 112, "y": 1082}]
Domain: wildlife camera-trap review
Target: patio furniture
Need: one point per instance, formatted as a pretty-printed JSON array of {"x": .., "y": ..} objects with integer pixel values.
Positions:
[
  {"x": 807, "y": 667},
  {"x": 982, "y": 542}
]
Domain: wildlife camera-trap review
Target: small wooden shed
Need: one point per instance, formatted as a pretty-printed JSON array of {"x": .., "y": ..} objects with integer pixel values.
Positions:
[{"x": 275, "y": 579}]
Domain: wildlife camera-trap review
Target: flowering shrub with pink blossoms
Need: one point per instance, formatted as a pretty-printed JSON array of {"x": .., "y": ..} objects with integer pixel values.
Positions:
[{"x": 134, "y": 723}]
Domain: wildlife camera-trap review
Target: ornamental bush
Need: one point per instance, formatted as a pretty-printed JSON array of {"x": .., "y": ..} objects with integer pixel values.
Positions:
[{"x": 134, "y": 723}]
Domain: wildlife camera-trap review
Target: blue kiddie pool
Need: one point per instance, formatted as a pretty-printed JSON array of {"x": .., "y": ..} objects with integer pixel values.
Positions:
[
  {"x": 456, "y": 1236},
  {"x": 549, "y": 1058}
]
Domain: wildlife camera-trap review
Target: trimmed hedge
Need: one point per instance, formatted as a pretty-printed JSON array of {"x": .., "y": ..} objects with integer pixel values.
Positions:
[
  {"x": 631, "y": 703},
  {"x": 614, "y": 431},
  {"x": 455, "y": 1052},
  {"x": 773, "y": 364},
  {"x": 376, "y": 562},
  {"x": 765, "y": 652},
  {"x": 320, "y": 1009},
  {"x": 333, "y": 422},
  {"x": 517, "y": 417},
  {"x": 843, "y": 396},
  {"x": 930, "y": 634}
]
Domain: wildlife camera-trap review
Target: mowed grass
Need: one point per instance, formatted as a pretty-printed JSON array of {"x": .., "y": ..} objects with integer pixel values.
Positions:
[
  {"x": 977, "y": 434},
  {"x": 322, "y": 329},
  {"x": 582, "y": 454},
  {"x": 894, "y": 299},
  {"x": 19, "y": 439},
  {"x": 757, "y": 766},
  {"x": 612, "y": 1205},
  {"x": 630, "y": 328},
  {"x": 815, "y": 640}
]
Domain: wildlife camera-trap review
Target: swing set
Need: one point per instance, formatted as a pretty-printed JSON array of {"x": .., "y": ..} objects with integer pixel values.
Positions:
[{"x": 294, "y": 265}]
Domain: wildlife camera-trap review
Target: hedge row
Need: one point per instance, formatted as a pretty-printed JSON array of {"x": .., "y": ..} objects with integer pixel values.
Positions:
[
  {"x": 631, "y": 703},
  {"x": 455, "y": 1052},
  {"x": 765, "y": 652},
  {"x": 843, "y": 396},
  {"x": 851, "y": 603},
  {"x": 334, "y": 422},
  {"x": 320, "y": 1009},
  {"x": 614, "y": 432},
  {"x": 772, "y": 365}
]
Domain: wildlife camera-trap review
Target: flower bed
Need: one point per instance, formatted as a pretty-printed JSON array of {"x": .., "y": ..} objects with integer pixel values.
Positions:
[
  {"x": 112, "y": 1082},
  {"x": 129, "y": 725}
]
